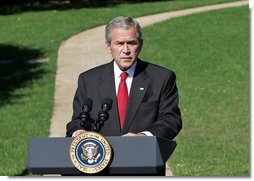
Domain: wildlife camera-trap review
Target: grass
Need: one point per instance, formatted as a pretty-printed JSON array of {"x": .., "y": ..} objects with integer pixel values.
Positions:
[
  {"x": 27, "y": 85},
  {"x": 209, "y": 53}
]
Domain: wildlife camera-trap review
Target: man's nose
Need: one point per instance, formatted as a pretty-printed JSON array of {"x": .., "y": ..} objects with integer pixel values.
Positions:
[{"x": 126, "y": 48}]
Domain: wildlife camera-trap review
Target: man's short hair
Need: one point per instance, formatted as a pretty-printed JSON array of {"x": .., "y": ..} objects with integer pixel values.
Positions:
[{"x": 123, "y": 23}]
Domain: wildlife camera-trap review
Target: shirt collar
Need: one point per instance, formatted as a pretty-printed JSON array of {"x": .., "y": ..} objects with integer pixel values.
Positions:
[{"x": 130, "y": 71}]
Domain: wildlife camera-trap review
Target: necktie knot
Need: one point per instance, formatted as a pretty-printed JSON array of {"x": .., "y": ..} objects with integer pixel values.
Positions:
[{"x": 123, "y": 76}]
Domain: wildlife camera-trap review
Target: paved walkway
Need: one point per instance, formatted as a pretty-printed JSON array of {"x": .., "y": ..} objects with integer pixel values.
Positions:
[{"x": 86, "y": 50}]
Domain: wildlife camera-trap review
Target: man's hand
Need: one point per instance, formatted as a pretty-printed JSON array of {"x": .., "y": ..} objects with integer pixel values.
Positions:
[
  {"x": 78, "y": 132},
  {"x": 134, "y": 134}
]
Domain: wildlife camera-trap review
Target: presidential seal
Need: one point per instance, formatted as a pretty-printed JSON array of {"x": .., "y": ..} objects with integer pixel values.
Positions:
[{"x": 90, "y": 152}]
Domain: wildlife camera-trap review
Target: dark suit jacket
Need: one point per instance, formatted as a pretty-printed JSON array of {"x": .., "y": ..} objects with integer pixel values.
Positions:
[{"x": 152, "y": 104}]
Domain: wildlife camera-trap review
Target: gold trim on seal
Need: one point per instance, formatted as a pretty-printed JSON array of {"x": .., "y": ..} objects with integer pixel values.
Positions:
[{"x": 90, "y": 136}]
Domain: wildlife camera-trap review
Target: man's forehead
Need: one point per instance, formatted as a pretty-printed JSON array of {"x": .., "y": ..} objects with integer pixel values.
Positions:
[{"x": 123, "y": 34}]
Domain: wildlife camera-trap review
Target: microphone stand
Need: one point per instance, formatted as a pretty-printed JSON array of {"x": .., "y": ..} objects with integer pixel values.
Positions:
[
  {"x": 85, "y": 121},
  {"x": 90, "y": 124}
]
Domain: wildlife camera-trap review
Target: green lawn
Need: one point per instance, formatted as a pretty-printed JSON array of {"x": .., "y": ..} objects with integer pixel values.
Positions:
[
  {"x": 210, "y": 54},
  {"x": 27, "y": 86}
]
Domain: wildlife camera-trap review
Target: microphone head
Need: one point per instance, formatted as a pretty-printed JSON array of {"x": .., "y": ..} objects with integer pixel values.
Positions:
[
  {"x": 108, "y": 102},
  {"x": 88, "y": 103}
]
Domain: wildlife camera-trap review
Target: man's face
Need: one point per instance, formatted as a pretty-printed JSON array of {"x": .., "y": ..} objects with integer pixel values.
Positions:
[{"x": 124, "y": 47}]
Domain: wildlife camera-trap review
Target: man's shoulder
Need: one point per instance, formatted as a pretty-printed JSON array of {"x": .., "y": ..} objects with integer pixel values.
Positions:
[
  {"x": 156, "y": 69},
  {"x": 96, "y": 70}
]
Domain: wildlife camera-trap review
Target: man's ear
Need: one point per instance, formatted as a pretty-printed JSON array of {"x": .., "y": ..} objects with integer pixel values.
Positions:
[
  {"x": 107, "y": 47},
  {"x": 140, "y": 44}
]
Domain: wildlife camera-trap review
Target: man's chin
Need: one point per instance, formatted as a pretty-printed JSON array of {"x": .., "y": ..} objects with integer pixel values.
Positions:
[
  {"x": 125, "y": 64},
  {"x": 126, "y": 67}
]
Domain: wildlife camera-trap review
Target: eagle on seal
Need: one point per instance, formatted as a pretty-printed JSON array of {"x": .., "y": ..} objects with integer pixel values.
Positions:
[{"x": 90, "y": 151}]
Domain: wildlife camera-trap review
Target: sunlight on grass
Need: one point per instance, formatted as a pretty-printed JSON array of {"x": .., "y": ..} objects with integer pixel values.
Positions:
[{"x": 209, "y": 53}]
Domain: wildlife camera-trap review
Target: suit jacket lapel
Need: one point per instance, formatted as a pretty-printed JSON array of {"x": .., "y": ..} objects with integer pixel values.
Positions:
[
  {"x": 107, "y": 89},
  {"x": 139, "y": 87}
]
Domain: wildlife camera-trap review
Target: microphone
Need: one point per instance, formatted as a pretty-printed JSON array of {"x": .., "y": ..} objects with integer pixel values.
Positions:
[
  {"x": 88, "y": 104},
  {"x": 106, "y": 104},
  {"x": 103, "y": 114},
  {"x": 85, "y": 114}
]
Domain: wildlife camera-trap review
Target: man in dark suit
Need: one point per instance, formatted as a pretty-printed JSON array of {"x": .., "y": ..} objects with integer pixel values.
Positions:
[{"x": 151, "y": 104}]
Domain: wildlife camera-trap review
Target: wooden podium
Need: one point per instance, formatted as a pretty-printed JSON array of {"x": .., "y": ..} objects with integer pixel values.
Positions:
[{"x": 142, "y": 155}]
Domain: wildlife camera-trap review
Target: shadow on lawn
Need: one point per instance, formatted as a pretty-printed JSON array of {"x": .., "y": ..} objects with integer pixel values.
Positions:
[
  {"x": 19, "y": 66},
  {"x": 25, "y": 172},
  {"x": 8, "y": 7},
  {"x": 20, "y": 8}
]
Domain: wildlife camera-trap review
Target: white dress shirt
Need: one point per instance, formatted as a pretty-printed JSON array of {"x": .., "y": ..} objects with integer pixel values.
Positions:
[{"x": 128, "y": 80}]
